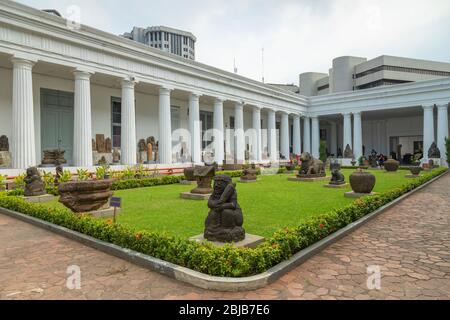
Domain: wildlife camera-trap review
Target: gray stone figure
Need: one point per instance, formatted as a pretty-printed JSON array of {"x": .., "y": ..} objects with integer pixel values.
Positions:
[
  {"x": 4, "y": 143},
  {"x": 225, "y": 219},
  {"x": 434, "y": 151},
  {"x": 348, "y": 152},
  {"x": 311, "y": 167},
  {"x": 34, "y": 186}
]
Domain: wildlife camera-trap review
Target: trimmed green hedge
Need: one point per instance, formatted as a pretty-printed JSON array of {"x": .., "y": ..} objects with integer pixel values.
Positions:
[{"x": 206, "y": 258}]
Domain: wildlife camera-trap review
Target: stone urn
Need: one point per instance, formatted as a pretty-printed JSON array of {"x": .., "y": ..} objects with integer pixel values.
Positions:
[
  {"x": 290, "y": 167},
  {"x": 249, "y": 174},
  {"x": 85, "y": 196},
  {"x": 415, "y": 170},
  {"x": 189, "y": 174},
  {"x": 362, "y": 182},
  {"x": 391, "y": 165}
]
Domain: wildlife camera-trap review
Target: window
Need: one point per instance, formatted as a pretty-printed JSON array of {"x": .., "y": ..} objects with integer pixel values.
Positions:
[
  {"x": 207, "y": 123},
  {"x": 231, "y": 122},
  {"x": 116, "y": 120},
  {"x": 403, "y": 69}
]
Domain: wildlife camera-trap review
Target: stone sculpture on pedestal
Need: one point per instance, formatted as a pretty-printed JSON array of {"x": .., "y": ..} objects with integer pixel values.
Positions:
[
  {"x": 85, "y": 196},
  {"x": 204, "y": 176},
  {"x": 5, "y": 155},
  {"x": 116, "y": 155},
  {"x": 4, "y": 143},
  {"x": 337, "y": 178},
  {"x": 348, "y": 152},
  {"x": 34, "y": 186},
  {"x": 311, "y": 167},
  {"x": 142, "y": 151},
  {"x": 225, "y": 219},
  {"x": 53, "y": 157},
  {"x": 433, "y": 151},
  {"x": 249, "y": 174}
]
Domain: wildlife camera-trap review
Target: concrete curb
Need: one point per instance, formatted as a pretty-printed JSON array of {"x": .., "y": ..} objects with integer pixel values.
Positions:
[{"x": 202, "y": 280}]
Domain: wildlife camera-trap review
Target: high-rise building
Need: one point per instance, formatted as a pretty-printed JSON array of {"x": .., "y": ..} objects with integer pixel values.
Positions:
[{"x": 171, "y": 40}]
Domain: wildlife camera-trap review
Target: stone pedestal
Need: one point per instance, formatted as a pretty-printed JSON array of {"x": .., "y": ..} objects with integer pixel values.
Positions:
[
  {"x": 247, "y": 181},
  {"x": 304, "y": 179},
  {"x": 352, "y": 194},
  {"x": 336, "y": 186},
  {"x": 413, "y": 175},
  {"x": 250, "y": 241},
  {"x": 104, "y": 212},
  {"x": 97, "y": 156},
  {"x": 5, "y": 159},
  {"x": 194, "y": 196},
  {"x": 347, "y": 162},
  {"x": 40, "y": 199},
  {"x": 188, "y": 182}
]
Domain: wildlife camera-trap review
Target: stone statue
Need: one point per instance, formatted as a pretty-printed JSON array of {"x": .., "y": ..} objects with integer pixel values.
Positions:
[
  {"x": 4, "y": 144},
  {"x": 34, "y": 186},
  {"x": 102, "y": 161},
  {"x": 348, "y": 152},
  {"x": 116, "y": 155},
  {"x": 373, "y": 159},
  {"x": 108, "y": 145},
  {"x": 204, "y": 176},
  {"x": 249, "y": 173},
  {"x": 337, "y": 178},
  {"x": 149, "y": 152},
  {"x": 142, "y": 145},
  {"x": 224, "y": 221},
  {"x": 100, "y": 143},
  {"x": 59, "y": 173},
  {"x": 311, "y": 166},
  {"x": 94, "y": 145},
  {"x": 85, "y": 196},
  {"x": 434, "y": 151},
  {"x": 53, "y": 157},
  {"x": 339, "y": 153}
]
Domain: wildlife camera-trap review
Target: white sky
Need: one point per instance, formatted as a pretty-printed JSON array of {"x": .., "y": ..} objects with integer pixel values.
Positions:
[{"x": 297, "y": 36}]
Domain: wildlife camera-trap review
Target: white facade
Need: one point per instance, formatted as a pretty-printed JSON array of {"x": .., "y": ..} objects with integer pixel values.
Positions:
[{"x": 165, "y": 96}]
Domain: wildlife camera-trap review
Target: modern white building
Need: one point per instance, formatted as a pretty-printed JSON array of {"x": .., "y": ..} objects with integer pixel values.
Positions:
[
  {"x": 63, "y": 85},
  {"x": 171, "y": 40}
]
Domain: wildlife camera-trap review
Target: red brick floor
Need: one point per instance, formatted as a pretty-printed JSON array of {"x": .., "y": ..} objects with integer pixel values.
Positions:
[{"x": 410, "y": 243}]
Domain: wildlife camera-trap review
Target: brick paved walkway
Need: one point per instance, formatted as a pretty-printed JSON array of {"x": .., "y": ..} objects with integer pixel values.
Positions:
[{"x": 410, "y": 243}]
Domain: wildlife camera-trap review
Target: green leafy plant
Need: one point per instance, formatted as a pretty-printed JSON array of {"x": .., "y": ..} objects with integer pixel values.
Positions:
[
  {"x": 65, "y": 177},
  {"x": 102, "y": 172},
  {"x": 3, "y": 182},
  {"x": 82, "y": 174},
  {"x": 128, "y": 173},
  {"x": 226, "y": 261},
  {"x": 323, "y": 150},
  {"x": 447, "y": 152},
  {"x": 19, "y": 181},
  {"x": 48, "y": 179}
]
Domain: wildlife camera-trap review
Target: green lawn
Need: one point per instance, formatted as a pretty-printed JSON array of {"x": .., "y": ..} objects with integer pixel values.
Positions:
[{"x": 268, "y": 205}]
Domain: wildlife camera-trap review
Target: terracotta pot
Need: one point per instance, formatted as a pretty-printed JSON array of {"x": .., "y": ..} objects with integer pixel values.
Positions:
[
  {"x": 189, "y": 174},
  {"x": 415, "y": 170},
  {"x": 85, "y": 196},
  {"x": 391, "y": 165},
  {"x": 362, "y": 182}
]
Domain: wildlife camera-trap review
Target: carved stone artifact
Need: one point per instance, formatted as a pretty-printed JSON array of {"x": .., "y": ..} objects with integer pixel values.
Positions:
[
  {"x": 337, "y": 178},
  {"x": 204, "y": 176},
  {"x": 310, "y": 167},
  {"x": 34, "y": 186},
  {"x": 434, "y": 151},
  {"x": 59, "y": 173},
  {"x": 142, "y": 146},
  {"x": 362, "y": 182},
  {"x": 100, "y": 143},
  {"x": 348, "y": 152},
  {"x": 224, "y": 221},
  {"x": 94, "y": 145},
  {"x": 85, "y": 196},
  {"x": 4, "y": 144},
  {"x": 189, "y": 174},
  {"x": 415, "y": 170},
  {"x": 391, "y": 165},
  {"x": 53, "y": 157},
  {"x": 116, "y": 155},
  {"x": 108, "y": 145},
  {"x": 249, "y": 173},
  {"x": 149, "y": 152}
]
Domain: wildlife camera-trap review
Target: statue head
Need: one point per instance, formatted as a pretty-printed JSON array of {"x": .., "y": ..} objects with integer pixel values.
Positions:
[
  {"x": 221, "y": 182},
  {"x": 305, "y": 157},
  {"x": 32, "y": 171}
]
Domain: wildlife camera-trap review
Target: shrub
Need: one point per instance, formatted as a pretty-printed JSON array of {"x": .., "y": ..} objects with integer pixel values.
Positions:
[
  {"x": 65, "y": 177},
  {"x": 83, "y": 174},
  {"x": 447, "y": 150},
  {"x": 19, "y": 181},
  {"x": 323, "y": 150},
  {"x": 206, "y": 258}
]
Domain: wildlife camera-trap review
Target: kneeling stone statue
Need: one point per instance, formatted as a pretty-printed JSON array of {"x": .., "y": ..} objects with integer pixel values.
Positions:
[{"x": 225, "y": 219}]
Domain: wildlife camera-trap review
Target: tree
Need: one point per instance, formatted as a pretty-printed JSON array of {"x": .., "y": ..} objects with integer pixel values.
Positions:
[{"x": 323, "y": 151}]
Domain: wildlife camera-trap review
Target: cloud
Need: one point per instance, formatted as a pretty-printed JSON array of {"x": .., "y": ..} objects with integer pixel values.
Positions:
[{"x": 297, "y": 36}]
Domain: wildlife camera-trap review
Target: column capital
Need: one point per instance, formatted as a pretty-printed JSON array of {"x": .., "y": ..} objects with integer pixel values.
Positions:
[
  {"x": 357, "y": 114},
  {"x": 219, "y": 99},
  {"x": 314, "y": 116},
  {"x": 128, "y": 82},
  {"x": 442, "y": 106},
  {"x": 82, "y": 74},
  {"x": 195, "y": 94},
  {"x": 23, "y": 62},
  {"x": 256, "y": 108},
  {"x": 428, "y": 107},
  {"x": 164, "y": 90},
  {"x": 239, "y": 104},
  {"x": 346, "y": 113},
  {"x": 296, "y": 115}
]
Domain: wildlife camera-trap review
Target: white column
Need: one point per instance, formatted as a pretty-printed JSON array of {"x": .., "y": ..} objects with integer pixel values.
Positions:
[
  {"x": 334, "y": 138},
  {"x": 284, "y": 135},
  {"x": 272, "y": 135},
  {"x": 257, "y": 148},
  {"x": 428, "y": 129},
  {"x": 128, "y": 147},
  {"x": 442, "y": 130},
  {"x": 82, "y": 125},
  {"x": 347, "y": 131},
  {"x": 357, "y": 135},
  {"x": 296, "y": 137},
  {"x": 22, "y": 141},
  {"x": 194, "y": 128},
  {"x": 306, "y": 135},
  {"x": 165, "y": 127},
  {"x": 239, "y": 132},
  {"x": 315, "y": 137},
  {"x": 219, "y": 154}
]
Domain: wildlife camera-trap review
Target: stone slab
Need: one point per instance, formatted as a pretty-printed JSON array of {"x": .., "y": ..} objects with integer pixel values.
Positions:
[
  {"x": 104, "y": 213},
  {"x": 352, "y": 194},
  {"x": 250, "y": 241},
  {"x": 187, "y": 182},
  {"x": 5, "y": 159},
  {"x": 96, "y": 156},
  {"x": 309, "y": 179},
  {"x": 40, "y": 199},
  {"x": 194, "y": 196},
  {"x": 248, "y": 181},
  {"x": 336, "y": 186}
]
